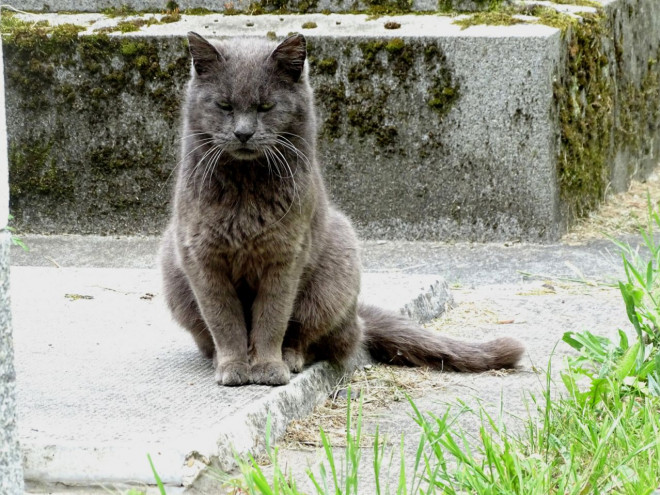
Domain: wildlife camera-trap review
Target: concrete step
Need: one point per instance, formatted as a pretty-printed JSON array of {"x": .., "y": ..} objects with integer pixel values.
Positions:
[
  {"x": 427, "y": 131},
  {"x": 104, "y": 377}
]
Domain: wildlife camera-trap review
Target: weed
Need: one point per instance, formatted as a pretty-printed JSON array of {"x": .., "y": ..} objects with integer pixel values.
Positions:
[{"x": 15, "y": 239}]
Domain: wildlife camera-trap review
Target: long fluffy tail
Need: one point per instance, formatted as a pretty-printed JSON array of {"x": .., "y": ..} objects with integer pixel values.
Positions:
[{"x": 391, "y": 338}]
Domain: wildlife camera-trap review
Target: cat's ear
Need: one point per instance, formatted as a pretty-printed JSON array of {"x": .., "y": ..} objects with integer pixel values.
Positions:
[
  {"x": 204, "y": 55},
  {"x": 290, "y": 56}
]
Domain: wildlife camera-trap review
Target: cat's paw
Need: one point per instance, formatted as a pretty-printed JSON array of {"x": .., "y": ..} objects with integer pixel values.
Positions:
[
  {"x": 271, "y": 373},
  {"x": 293, "y": 359},
  {"x": 232, "y": 374}
]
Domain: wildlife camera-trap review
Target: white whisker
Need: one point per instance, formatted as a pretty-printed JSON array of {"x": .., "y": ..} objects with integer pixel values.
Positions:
[
  {"x": 284, "y": 142},
  {"x": 297, "y": 136},
  {"x": 193, "y": 171},
  {"x": 293, "y": 180},
  {"x": 180, "y": 162}
]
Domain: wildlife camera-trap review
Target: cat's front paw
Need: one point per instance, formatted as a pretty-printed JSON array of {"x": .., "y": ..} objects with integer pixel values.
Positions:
[
  {"x": 232, "y": 374},
  {"x": 271, "y": 373},
  {"x": 293, "y": 359}
]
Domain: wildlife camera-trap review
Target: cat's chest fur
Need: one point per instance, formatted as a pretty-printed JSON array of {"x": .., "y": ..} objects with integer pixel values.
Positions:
[{"x": 243, "y": 228}]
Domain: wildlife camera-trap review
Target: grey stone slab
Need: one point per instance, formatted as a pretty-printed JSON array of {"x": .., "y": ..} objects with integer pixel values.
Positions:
[
  {"x": 427, "y": 131},
  {"x": 92, "y": 251},
  {"x": 105, "y": 377},
  {"x": 11, "y": 474},
  {"x": 387, "y": 154}
]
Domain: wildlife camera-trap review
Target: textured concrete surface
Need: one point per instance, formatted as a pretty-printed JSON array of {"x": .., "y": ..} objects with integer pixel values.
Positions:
[
  {"x": 242, "y": 5},
  {"x": 11, "y": 474},
  {"x": 472, "y": 127},
  {"x": 463, "y": 264},
  {"x": 105, "y": 377},
  {"x": 469, "y": 163}
]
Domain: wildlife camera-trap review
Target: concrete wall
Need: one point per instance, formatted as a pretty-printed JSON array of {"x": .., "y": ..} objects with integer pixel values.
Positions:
[
  {"x": 426, "y": 131},
  {"x": 421, "y": 136},
  {"x": 11, "y": 474}
]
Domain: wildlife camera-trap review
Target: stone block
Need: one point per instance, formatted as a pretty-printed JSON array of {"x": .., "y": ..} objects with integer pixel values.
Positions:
[{"x": 427, "y": 131}]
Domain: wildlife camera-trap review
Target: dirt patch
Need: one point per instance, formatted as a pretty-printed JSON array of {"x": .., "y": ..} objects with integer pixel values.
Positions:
[
  {"x": 381, "y": 387},
  {"x": 468, "y": 312},
  {"x": 623, "y": 213},
  {"x": 378, "y": 387}
]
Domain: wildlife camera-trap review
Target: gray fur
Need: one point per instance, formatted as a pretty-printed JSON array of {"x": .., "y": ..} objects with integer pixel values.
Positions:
[{"x": 257, "y": 264}]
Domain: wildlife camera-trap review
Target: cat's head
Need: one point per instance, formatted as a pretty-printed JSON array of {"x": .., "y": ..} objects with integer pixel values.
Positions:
[{"x": 249, "y": 94}]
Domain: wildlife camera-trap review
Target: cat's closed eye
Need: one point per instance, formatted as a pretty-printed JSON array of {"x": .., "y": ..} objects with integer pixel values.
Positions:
[
  {"x": 265, "y": 107},
  {"x": 223, "y": 105}
]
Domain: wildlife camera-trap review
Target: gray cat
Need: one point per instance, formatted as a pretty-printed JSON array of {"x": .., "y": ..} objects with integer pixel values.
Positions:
[{"x": 258, "y": 265}]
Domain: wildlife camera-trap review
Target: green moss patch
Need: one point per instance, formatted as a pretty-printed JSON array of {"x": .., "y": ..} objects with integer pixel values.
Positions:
[
  {"x": 584, "y": 94},
  {"x": 457, "y": 5},
  {"x": 103, "y": 114},
  {"x": 34, "y": 170},
  {"x": 379, "y": 73},
  {"x": 123, "y": 10},
  {"x": 602, "y": 110},
  {"x": 494, "y": 18},
  {"x": 582, "y": 3}
]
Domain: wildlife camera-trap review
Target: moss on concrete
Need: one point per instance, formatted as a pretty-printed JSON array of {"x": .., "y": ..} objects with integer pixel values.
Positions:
[
  {"x": 550, "y": 17},
  {"x": 103, "y": 173},
  {"x": 95, "y": 106},
  {"x": 641, "y": 116},
  {"x": 583, "y": 3},
  {"x": 354, "y": 96},
  {"x": 34, "y": 170},
  {"x": 584, "y": 95},
  {"x": 326, "y": 65},
  {"x": 449, "y": 6},
  {"x": 509, "y": 15},
  {"x": 494, "y": 18},
  {"x": 378, "y": 72},
  {"x": 585, "y": 98},
  {"x": 120, "y": 11}
]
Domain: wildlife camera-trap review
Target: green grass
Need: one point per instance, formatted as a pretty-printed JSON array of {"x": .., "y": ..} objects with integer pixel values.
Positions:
[
  {"x": 14, "y": 237},
  {"x": 596, "y": 432},
  {"x": 573, "y": 449}
]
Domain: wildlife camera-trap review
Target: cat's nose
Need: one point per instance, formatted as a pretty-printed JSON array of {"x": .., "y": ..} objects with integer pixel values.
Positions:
[{"x": 243, "y": 135}]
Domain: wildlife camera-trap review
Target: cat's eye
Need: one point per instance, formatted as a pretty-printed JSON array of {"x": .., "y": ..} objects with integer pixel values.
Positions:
[
  {"x": 264, "y": 107},
  {"x": 223, "y": 105}
]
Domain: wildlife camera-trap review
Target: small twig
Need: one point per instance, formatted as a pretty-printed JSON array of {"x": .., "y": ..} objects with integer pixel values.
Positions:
[
  {"x": 114, "y": 290},
  {"x": 592, "y": 283},
  {"x": 53, "y": 261}
]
